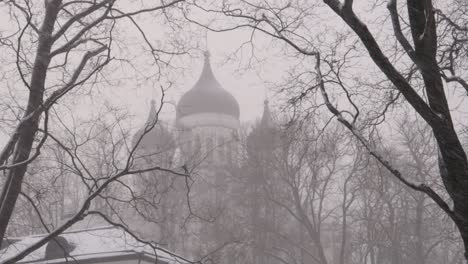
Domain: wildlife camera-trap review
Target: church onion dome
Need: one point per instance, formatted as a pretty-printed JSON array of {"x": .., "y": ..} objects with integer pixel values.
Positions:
[
  {"x": 158, "y": 139},
  {"x": 265, "y": 135},
  {"x": 207, "y": 96}
]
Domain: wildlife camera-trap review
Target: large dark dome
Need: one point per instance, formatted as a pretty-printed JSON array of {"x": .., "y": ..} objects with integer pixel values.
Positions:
[{"x": 207, "y": 96}]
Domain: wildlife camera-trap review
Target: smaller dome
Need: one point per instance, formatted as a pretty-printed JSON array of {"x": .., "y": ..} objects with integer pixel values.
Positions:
[
  {"x": 267, "y": 119},
  {"x": 207, "y": 96},
  {"x": 265, "y": 135},
  {"x": 158, "y": 139}
]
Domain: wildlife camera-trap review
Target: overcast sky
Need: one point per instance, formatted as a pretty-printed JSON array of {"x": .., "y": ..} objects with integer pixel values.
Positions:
[{"x": 250, "y": 86}]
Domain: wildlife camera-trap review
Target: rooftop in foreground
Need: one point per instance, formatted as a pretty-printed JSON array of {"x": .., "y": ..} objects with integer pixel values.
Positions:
[{"x": 97, "y": 245}]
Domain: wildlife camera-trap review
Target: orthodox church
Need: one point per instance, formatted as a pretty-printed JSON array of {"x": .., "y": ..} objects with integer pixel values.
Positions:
[
  {"x": 192, "y": 216},
  {"x": 206, "y": 143}
]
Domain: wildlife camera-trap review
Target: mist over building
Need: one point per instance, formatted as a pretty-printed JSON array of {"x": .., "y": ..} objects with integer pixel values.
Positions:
[
  {"x": 207, "y": 144},
  {"x": 360, "y": 159},
  {"x": 202, "y": 187},
  {"x": 222, "y": 210}
]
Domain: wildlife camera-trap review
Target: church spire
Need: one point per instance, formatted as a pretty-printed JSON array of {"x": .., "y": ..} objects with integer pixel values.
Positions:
[
  {"x": 157, "y": 138},
  {"x": 207, "y": 74},
  {"x": 267, "y": 119},
  {"x": 264, "y": 136}
]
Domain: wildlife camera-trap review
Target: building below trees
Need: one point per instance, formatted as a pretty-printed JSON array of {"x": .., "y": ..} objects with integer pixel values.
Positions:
[
  {"x": 92, "y": 245},
  {"x": 225, "y": 211}
]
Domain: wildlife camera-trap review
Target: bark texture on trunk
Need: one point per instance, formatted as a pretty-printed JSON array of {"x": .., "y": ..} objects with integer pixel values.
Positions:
[
  {"x": 28, "y": 129},
  {"x": 453, "y": 161}
]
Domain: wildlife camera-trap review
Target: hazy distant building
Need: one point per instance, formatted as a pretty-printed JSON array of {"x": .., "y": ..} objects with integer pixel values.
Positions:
[
  {"x": 204, "y": 142},
  {"x": 209, "y": 147}
]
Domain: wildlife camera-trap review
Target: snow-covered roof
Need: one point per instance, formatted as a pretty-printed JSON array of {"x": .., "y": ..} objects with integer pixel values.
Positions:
[{"x": 97, "y": 243}]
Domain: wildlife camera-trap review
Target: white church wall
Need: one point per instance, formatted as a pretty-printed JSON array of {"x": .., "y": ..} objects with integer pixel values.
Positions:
[{"x": 209, "y": 119}]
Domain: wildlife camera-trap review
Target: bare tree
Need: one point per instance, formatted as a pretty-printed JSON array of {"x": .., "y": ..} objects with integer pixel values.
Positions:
[
  {"x": 292, "y": 176},
  {"x": 62, "y": 48},
  {"x": 410, "y": 71}
]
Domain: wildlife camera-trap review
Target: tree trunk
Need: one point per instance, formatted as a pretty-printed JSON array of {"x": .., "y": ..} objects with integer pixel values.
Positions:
[
  {"x": 27, "y": 130},
  {"x": 452, "y": 161}
]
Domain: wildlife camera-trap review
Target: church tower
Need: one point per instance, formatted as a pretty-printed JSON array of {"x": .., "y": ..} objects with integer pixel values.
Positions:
[
  {"x": 263, "y": 144},
  {"x": 153, "y": 189},
  {"x": 207, "y": 122},
  {"x": 264, "y": 138},
  {"x": 156, "y": 144}
]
